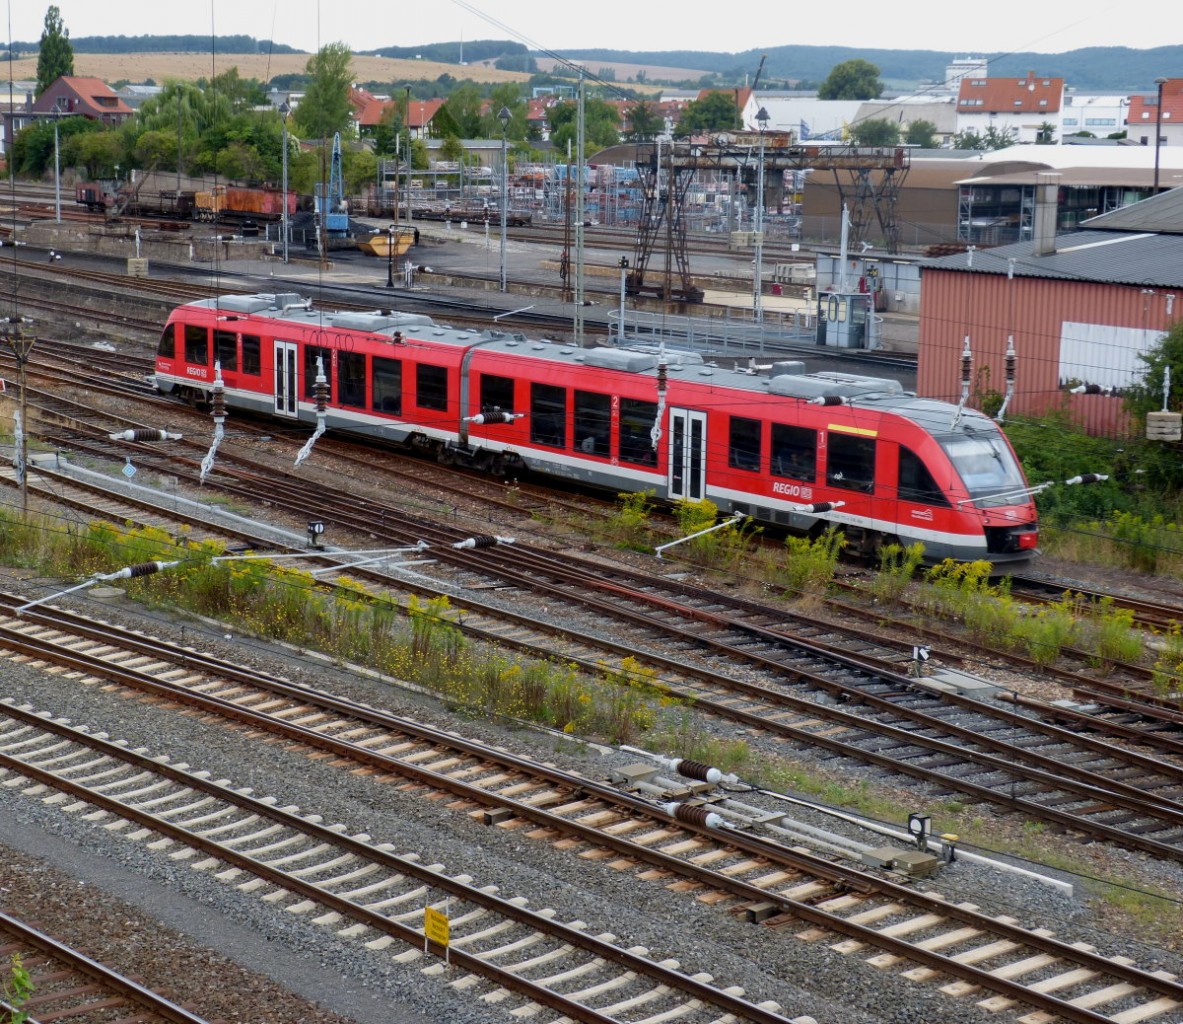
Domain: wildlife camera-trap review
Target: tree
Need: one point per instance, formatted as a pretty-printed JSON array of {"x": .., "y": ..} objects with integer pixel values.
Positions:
[
  {"x": 992, "y": 139},
  {"x": 851, "y": 80},
  {"x": 1147, "y": 396},
  {"x": 461, "y": 114},
  {"x": 921, "y": 133},
  {"x": 1045, "y": 135},
  {"x": 601, "y": 124},
  {"x": 716, "y": 111},
  {"x": 324, "y": 110},
  {"x": 32, "y": 149},
  {"x": 506, "y": 96},
  {"x": 56, "y": 56},
  {"x": 968, "y": 139},
  {"x": 99, "y": 153},
  {"x": 1000, "y": 138},
  {"x": 879, "y": 132},
  {"x": 644, "y": 123},
  {"x": 388, "y": 131},
  {"x": 243, "y": 93}
]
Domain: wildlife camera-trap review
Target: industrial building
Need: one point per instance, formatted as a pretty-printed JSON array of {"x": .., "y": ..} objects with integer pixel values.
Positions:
[{"x": 1077, "y": 307}]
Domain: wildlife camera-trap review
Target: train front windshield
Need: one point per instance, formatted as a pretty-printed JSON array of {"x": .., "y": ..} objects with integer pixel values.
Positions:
[{"x": 987, "y": 467}]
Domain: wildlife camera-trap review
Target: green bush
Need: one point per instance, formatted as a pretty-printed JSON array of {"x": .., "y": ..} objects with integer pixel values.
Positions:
[
  {"x": 897, "y": 567},
  {"x": 810, "y": 562}
]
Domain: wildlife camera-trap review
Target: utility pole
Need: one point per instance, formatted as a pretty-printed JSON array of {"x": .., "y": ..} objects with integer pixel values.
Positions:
[
  {"x": 20, "y": 346},
  {"x": 285, "y": 108},
  {"x": 1160, "y": 82},
  {"x": 503, "y": 115},
  {"x": 758, "y": 281},
  {"x": 580, "y": 128}
]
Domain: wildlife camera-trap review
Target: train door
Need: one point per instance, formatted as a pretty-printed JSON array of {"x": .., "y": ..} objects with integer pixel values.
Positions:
[
  {"x": 688, "y": 449},
  {"x": 287, "y": 387}
]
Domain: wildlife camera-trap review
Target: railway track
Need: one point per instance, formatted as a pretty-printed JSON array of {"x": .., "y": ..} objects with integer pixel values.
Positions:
[
  {"x": 287, "y": 857},
  {"x": 902, "y": 725},
  {"x": 862, "y": 705},
  {"x": 65, "y": 984}
]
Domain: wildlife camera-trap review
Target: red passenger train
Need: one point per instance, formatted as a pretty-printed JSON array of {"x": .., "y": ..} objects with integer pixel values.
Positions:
[{"x": 774, "y": 444}]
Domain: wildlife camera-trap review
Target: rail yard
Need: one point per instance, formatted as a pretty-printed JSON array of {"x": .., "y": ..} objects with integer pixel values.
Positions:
[{"x": 379, "y": 844}]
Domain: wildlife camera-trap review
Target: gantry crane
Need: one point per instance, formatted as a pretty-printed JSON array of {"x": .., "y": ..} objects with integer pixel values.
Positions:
[{"x": 875, "y": 176}]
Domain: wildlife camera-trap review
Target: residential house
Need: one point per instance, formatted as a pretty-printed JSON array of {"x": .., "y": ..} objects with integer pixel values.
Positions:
[
  {"x": 66, "y": 96},
  {"x": 1022, "y": 106},
  {"x": 1101, "y": 116},
  {"x": 904, "y": 111},
  {"x": 89, "y": 97},
  {"x": 368, "y": 110},
  {"x": 1144, "y": 116}
]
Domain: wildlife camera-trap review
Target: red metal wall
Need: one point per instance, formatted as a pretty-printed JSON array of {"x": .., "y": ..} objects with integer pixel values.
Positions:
[{"x": 990, "y": 307}]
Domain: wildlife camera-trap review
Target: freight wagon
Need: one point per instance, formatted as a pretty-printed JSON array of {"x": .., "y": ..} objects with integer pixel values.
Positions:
[{"x": 224, "y": 203}]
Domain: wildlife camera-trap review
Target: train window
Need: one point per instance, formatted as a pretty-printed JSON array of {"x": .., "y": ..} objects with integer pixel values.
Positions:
[
  {"x": 548, "y": 415},
  {"x": 431, "y": 387},
  {"x": 850, "y": 462},
  {"x": 636, "y": 431},
  {"x": 311, "y": 354},
  {"x": 496, "y": 393},
  {"x": 916, "y": 482},
  {"x": 987, "y": 467},
  {"x": 351, "y": 379},
  {"x": 593, "y": 423},
  {"x": 252, "y": 348},
  {"x": 167, "y": 347},
  {"x": 196, "y": 344},
  {"x": 388, "y": 385},
  {"x": 744, "y": 451},
  {"x": 226, "y": 350},
  {"x": 794, "y": 452}
]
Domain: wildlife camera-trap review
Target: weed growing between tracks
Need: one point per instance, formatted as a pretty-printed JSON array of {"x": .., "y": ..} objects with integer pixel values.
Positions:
[
  {"x": 414, "y": 640},
  {"x": 16, "y": 990},
  {"x": 420, "y": 642}
]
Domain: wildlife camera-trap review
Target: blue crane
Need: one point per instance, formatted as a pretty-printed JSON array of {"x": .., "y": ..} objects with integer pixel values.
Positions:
[{"x": 332, "y": 210}]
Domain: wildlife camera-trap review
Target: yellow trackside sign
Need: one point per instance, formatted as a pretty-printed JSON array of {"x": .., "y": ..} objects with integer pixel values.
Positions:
[{"x": 435, "y": 926}]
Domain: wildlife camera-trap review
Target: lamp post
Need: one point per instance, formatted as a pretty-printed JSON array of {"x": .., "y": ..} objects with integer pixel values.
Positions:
[
  {"x": 757, "y": 284},
  {"x": 59, "y": 110},
  {"x": 390, "y": 236},
  {"x": 407, "y": 126},
  {"x": 57, "y": 176},
  {"x": 1160, "y": 82},
  {"x": 285, "y": 108},
  {"x": 503, "y": 115}
]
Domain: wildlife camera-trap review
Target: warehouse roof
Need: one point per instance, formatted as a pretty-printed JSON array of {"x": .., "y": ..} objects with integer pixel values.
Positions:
[
  {"x": 1148, "y": 259},
  {"x": 1163, "y": 212}
]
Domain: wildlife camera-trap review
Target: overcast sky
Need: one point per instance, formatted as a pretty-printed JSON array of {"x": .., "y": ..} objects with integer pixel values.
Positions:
[{"x": 1000, "y": 26}]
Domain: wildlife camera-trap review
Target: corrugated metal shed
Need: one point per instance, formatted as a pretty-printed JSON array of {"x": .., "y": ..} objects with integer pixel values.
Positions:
[
  {"x": 1163, "y": 213},
  {"x": 1148, "y": 259}
]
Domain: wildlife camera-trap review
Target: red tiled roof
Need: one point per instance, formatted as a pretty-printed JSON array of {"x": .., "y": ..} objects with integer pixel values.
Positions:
[
  {"x": 422, "y": 111},
  {"x": 94, "y": 98},
  {"x": 740, "y": 96},
  {"x": 1031, "y": 94},
  {"x": 367, "y": 108},
  {"x": 1144, "y": 109}
]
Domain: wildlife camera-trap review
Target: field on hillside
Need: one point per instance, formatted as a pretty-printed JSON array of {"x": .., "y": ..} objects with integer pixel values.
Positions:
[
  {"x": 160, "y": 67},
  {"x": 624, "y": 72}
]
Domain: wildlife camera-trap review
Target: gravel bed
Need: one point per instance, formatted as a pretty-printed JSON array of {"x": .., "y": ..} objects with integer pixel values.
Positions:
[
  {"x": 344, "y": 977},
  {"x": 274, "y": 966}
]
